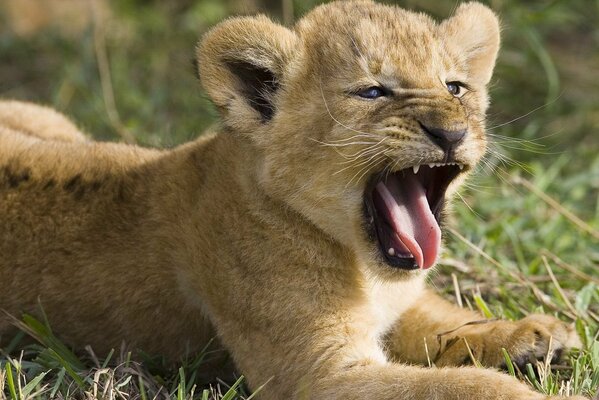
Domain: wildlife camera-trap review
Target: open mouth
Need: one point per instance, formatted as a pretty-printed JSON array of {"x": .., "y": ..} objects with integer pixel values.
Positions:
[{"x": 403, "y": 212}]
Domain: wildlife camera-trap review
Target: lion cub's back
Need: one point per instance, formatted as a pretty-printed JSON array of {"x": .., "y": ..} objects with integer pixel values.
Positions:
[
  {"x": 68, "y": 206},
  {"x": 38, "y": 121}
]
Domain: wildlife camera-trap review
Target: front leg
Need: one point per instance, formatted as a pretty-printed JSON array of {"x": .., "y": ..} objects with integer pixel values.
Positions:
[
  {"x": 453, "y": 336},
  {"x": 340, "y": 362},
  {"x": 393, "y": 381}
]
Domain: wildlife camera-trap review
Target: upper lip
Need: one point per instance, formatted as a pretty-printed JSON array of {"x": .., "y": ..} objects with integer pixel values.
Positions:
[{"x": 416, "y": 167}]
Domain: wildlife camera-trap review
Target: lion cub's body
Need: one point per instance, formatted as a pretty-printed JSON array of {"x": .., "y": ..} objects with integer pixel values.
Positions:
[
  {"x": 90, "y": 224},
  {"x": 256, "y": 234},
  {"x": 98, "y": 234}
]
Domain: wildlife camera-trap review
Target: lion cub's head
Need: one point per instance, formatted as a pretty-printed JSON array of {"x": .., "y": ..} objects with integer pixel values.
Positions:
[{"x": 364, "y": 116}]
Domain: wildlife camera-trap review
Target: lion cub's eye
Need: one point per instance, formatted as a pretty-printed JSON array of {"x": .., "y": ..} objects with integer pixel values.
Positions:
[
  {"x": 457, "y": 89},
  {"x": 372, "y": 92}
]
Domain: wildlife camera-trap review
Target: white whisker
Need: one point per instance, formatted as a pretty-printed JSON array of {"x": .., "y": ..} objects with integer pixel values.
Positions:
[{"x": 525, "y": 115}]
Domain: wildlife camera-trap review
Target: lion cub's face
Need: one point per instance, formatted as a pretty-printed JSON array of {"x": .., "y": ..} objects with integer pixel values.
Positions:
[{"x": 365, "y": 116}]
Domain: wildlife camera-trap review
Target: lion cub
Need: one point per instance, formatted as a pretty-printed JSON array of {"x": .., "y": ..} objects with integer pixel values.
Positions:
[{"x": 300, "y": 234}]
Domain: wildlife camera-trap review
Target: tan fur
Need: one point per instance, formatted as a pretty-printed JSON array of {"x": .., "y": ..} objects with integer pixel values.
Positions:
[
  {"x": 255, "y": 233},
  {"x": 38, "y": 121}
]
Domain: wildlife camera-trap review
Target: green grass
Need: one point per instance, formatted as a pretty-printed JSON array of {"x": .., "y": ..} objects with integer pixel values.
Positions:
[{"x": 525, "y": 232}]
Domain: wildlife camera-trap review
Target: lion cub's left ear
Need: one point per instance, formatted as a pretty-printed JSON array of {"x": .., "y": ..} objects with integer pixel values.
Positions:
[
  {"x": 473, "y": 32},
  {"x": 241, "y": 63}
]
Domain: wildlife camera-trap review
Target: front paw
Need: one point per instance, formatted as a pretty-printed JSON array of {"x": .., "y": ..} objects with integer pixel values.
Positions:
[{"x": 527, "y": 340}]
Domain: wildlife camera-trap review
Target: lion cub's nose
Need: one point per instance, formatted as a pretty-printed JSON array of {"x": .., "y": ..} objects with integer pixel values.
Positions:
[{"x": 444, "y": 138}]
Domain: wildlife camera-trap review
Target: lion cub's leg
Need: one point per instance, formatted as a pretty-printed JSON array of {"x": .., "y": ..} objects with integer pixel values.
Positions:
[
  {"x": 449, "y": 332},
  {"x": 38, "y": 121},
  {"x": 393, "y": 382},
  {"x": 338, "y": 363}
]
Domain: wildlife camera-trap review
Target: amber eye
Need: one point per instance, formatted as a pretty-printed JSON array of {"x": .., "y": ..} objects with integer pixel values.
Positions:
[{"x": 456, "y": 88}]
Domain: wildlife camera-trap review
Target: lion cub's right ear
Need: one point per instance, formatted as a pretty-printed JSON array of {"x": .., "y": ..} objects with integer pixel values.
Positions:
[{"x": 241, "y": 62}]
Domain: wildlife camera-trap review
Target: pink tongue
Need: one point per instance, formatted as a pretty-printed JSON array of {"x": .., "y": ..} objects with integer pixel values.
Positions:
[{"x": 411, "y": 218}]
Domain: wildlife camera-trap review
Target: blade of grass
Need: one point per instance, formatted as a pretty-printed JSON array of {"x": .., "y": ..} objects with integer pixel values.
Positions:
[
  {"x": 10, "y": 382},
  {"x": 59, "y": 379},
  {"x": 181, "y": 387},
  {"x": 142, "y": 388},
  {"x": 32, "y": 384},
  {"x": 557, "y": 206},
  {"x": 232, "y": 392},
  {"x": 508, "y": 362},
  {"x": 43, "y": 334},
  {"x": 483, "y": 307},
  {"x": 69, "y": 369},
  {"x": 559, "y": 289}
]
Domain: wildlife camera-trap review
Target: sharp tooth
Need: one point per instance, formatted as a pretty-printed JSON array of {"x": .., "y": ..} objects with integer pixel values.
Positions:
[
  {"x": 391, "y": 251},
  {"x": 461, "y": 166},
  {"x": 416, "y": 168}
]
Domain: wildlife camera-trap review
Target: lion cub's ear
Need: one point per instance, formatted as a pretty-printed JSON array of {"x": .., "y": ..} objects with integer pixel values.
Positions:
[
  {"x": 241, "y": 62},
  {"x": 474, "y": 32}
]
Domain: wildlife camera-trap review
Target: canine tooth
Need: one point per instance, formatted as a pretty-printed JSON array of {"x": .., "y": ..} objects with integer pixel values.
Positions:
[
  {"x": 391, "y": 251},
  {"x": 416, "y": 168},
  {"x": 461, "y": 166}
]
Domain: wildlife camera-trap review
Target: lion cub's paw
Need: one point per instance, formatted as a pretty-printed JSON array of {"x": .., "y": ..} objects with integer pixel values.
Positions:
[{"x": 529, "y": 339}]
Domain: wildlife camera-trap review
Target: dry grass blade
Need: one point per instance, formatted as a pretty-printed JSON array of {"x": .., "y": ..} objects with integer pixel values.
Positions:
[
  {"x": 557, "y": 206},
  {"x": 105, "y": 78},
  {"x": 562, "y": 264},
  {"x": 538, "y": 293},
  {"x": 486, "y": 256},
  {"x": 456, "y": 287},
  {"x": 559, "y": 288},
  {"x": 2, "y": 384}
]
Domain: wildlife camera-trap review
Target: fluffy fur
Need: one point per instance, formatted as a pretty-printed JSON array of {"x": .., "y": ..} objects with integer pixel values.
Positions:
[{"x": 256, "y": 234}]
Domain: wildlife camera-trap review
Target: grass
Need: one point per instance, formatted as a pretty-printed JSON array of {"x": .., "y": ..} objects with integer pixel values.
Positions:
[{"x": 525, "y": 231}]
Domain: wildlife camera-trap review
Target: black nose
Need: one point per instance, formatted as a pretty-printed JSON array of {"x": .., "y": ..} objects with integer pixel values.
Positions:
[{"x": 444, "y": 138}]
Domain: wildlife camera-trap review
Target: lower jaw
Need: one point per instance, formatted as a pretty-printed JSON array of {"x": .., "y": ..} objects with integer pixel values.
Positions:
[
  {"x": 407, "y": 263},
  {"x": 385, "y": 272}
]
